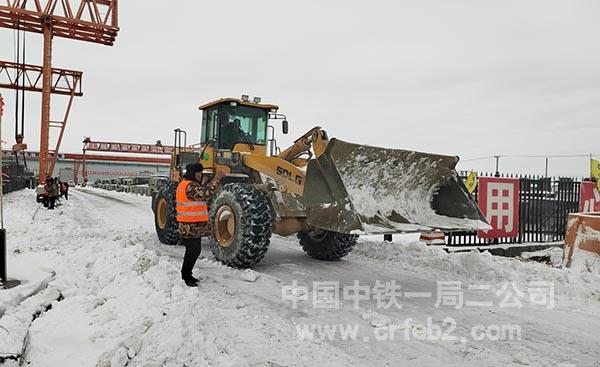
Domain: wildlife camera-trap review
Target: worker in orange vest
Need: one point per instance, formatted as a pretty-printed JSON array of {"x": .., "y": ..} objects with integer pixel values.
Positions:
[{"x": 192, "y": 196}]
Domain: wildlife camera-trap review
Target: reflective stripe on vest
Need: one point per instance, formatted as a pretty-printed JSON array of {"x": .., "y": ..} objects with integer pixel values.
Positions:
[{"x": 189, "y": 211}]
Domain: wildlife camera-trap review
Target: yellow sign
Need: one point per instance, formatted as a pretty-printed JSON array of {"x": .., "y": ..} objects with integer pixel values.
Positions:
[
  {"x": 595, "y": 171},
  {"x": 471, "y": 182}
]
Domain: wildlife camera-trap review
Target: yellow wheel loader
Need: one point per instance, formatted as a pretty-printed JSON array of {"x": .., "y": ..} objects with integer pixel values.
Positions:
[{"x": 325, "y": 191}]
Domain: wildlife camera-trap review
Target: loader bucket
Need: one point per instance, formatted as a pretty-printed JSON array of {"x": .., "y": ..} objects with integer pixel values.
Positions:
[{"x": 360, "y": 189}]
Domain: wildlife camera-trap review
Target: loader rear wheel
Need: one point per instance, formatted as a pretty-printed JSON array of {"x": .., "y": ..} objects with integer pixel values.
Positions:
[
  {"x": 165, "y": 216},
  {"x": 326, "y": 245},
  {"x": 241, "y": 222}
]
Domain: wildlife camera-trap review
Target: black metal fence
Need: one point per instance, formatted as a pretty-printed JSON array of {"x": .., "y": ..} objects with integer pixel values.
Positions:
[{"x": 544, "y": 204}]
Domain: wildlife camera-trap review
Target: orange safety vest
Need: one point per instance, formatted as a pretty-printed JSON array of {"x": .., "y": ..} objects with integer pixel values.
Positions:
[{"x": 189, "y": 211}]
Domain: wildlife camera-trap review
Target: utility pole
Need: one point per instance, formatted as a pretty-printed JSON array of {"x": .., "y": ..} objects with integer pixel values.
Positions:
[
  {"x": 497, "y": 174},
  {"x": 4, "y": 283}
]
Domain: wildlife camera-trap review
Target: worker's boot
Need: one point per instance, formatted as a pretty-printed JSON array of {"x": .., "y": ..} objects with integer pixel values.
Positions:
[{"x": 189, "y": 280}]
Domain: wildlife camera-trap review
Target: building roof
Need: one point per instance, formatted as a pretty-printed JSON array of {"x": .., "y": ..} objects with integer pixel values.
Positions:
[{"x": 240, "y": 102}]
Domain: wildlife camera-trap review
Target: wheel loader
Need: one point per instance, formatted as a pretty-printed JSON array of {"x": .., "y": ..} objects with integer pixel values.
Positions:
[{"x": 325, "y": 191}]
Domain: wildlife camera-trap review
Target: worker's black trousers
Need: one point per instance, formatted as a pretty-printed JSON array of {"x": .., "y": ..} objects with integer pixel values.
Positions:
[{"x": 193, "y": 247}]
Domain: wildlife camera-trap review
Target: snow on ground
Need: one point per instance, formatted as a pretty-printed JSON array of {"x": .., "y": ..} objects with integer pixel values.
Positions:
[
  {"x": 585, "y": 262},
  {"x": 124, "y": 303},
  {"x": 574, "y": 285}
]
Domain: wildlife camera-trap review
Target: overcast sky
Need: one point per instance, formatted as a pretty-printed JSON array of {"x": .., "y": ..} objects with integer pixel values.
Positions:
[{"x": 469, "y": 78}]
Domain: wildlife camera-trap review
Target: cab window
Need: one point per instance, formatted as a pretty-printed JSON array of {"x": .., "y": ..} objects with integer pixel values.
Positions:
[
  {"x": 209, "y": 125},
  {"x": 243, "y": 124}
]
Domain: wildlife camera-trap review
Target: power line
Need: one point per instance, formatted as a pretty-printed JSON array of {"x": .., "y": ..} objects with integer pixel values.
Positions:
[
  {"x": 548, "y": 155},
  {"x": 532, "y": 156},
  {"x": 477, "y": 159}
]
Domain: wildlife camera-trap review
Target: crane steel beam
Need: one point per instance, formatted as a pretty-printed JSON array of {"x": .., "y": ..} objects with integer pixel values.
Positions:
[
  {"x": 118, "y": 147},
  {"x": 97, "y": 157},
  {"x": 63, "y": 81},
  {"x": 115, "y": 147},
  {"x": 85, "y": 20},
  {"x": 114, "y": 158},
  {"x": 80, "y": 161}
]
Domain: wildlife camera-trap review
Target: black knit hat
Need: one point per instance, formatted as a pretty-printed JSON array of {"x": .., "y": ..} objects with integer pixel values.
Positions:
[{"x": 191, "y": 169}]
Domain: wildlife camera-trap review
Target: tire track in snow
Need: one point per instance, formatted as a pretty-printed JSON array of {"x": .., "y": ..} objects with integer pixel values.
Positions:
[
  {"x": 228, "y": 278},
  {"x": 270, "y": 295}
]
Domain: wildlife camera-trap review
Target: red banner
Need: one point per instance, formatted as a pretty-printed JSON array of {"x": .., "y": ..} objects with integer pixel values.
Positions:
[
  {"x": 499, "y": 201},
  {"x": 589, "y": 199},
  {"x": 1, "y": 106}
]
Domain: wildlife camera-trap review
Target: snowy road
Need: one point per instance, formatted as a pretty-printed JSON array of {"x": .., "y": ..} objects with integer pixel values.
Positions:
[{"x": 124, "y": 303}]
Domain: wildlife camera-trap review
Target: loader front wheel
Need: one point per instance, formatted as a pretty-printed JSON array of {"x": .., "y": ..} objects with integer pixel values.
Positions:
[
  {"x": 241, "y": 223},
  {"x": 165, "y": 216},
  {"x": 326, "y": 245}
]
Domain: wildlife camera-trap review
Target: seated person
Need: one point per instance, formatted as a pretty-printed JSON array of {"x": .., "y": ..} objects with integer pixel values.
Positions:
[{"x": 230, "y": 134}]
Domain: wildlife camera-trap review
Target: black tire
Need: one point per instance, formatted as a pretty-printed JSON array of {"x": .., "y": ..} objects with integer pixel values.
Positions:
[
  {"x": 247, "y": 243},
  {"x": 165, "y": 215},
  {"x": 326, "y": 245}
]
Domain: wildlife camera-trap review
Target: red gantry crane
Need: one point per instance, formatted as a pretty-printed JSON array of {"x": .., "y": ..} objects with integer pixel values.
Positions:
[
  {"x": 117, "y": 147},
  {"x": 93, "y": 21}
]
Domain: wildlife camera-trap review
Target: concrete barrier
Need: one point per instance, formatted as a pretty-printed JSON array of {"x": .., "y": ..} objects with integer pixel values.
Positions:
[{"x": 143, "y": 190}]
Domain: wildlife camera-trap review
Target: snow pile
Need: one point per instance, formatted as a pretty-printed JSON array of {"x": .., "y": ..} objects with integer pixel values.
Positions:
[
  {"x": 552, "y": 256},
  {"x": 249, "y": 275},
  {"x": 376, "y": 319},
  {"x": 122, "y": 301},
  {"x": 585, "y": 262},
  {"x": 14, "y": 296},
  {"x": 15, "y": 323},
  {"x": 483, "y": 267}
]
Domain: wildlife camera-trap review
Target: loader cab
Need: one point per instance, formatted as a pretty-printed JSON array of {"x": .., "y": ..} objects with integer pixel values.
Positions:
[{"x": 236, "y": 124}]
